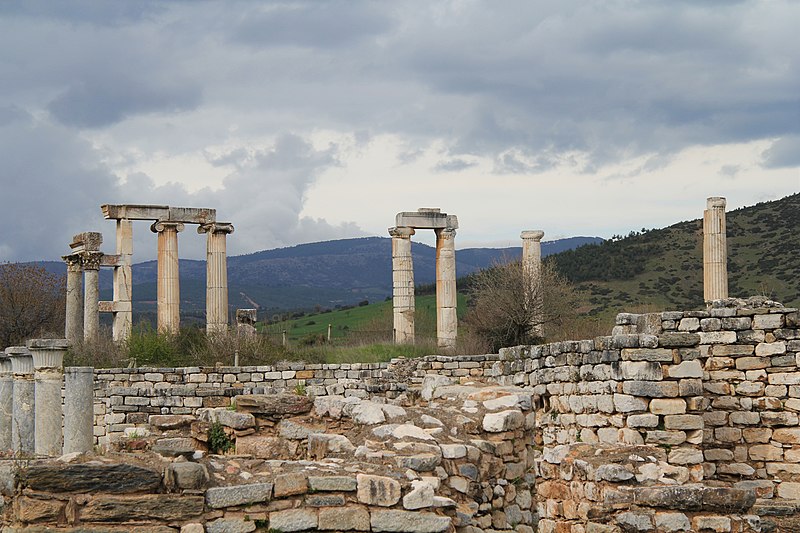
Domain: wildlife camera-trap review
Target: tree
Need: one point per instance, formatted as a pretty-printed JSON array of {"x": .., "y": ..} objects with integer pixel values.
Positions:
[
  {"x": 32, "y": 303},
  {"x": 505, "y": 311}
]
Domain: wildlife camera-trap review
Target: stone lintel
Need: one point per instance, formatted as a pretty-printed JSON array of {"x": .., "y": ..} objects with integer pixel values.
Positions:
[
  {"x": 110, "y": 260},
  {"x": 426, "y": 218},
  {"x": 88, "y": 241},
  {"x": 188, "y": 215},
  {"x": 106, "y": 306}
]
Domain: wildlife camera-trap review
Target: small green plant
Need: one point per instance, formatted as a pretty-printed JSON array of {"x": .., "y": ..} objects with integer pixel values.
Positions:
[
  {"x": 300, "y": 389},
  {"x": 261, "y": 523},
  {"x": 218, "y": 440},
  {"x": 232, "y": 406}
]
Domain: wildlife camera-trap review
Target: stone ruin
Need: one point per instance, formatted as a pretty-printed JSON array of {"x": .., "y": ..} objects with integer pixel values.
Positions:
[{"x": 85, "y": 260}]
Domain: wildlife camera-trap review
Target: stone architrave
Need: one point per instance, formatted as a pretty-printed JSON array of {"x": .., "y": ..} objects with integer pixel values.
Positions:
[
  {"x": 168, "y": 285},
  {"x": 532, "y": 271},
  {"x": 24, "y": 399},
  {"x": 48, "y": 375},
  {"x": 715, "y": 253},
  {"x": 122, "y": 306},
  {"x": 78, "y": 409},
  {"x": 6, "y": 402},
  {"x": 446, "y": 294},
  {"x": 402, "y": 285},
  {"x": 444, "y": 226},
  {"x": 216, "y": 275},
  {"x": 73, "y": 327},
  {"x": 91, "y": 294}
]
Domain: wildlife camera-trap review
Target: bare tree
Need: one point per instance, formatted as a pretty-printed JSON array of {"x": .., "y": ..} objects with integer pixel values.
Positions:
[
  {"x": 505, "y": 310},
  {"x": 32, "y": 302}
]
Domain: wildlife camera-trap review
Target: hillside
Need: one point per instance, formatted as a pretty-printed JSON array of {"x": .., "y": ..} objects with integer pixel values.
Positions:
[{"x": 663, "y": 268}]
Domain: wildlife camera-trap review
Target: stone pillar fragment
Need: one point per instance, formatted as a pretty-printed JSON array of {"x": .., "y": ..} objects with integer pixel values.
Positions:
[
  {"x": 216, "y": 275},
  {"x": 532, "y": 272},
  {"x": 78, "y": 409},
  {"x": 246, "y": 322},
  {"x": 91, "y": 295},
  {"x": 6, "y": 402},
  {"x": 48, "y": 375},
  {"x": 715, "y": 253},
  {"x": 403, "y": 304},
  {"x": 123, "y": 282},
  {"x": 168, "y": 285},
  {"x": 24, "y": 399},
  {"x": 446, "y": 295},
  {"x": 73, "y": 328}
]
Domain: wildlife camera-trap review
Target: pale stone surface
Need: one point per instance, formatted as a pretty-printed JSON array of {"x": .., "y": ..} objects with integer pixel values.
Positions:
[
  {"x": 123, "y": 282},
  {"x": 219, "y": 497},
  {"x": 22, "y": 429},
  {"x": 351, "y": 518},
  {"x": 715, "y": 253},
  {"x": 408, "y": 521},
  {"x": 377, "y": 490},
  {"x": 431, "y": 382},
  {"x": 6, "y": 402},
  {"x": 73, "y": 326},
  {"x": 668, "y": 406},
  {"x": 402, "y": 285},
  {"x": 78, "y": 409},
  {"x": 532, "y": 269},
  {"x": 168, "y": 285},
  {"x": 686, "y": 369},
  {"x": 420, "y": 496},
  {"x": 332, "y": 483},
  {"x": 293, "y": 520},
  {"x": 290, "y": 484},
  {"x": 216, "y": 275},
  {"x": 503, "y": 421},
  {"x": 671, "y": 522},
  {"x": 446, "y": 294},
  {"x": 91, "y": 295}
]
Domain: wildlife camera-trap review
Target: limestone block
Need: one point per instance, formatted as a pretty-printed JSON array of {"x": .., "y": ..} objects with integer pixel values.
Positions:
[
  {"x": 274, "y": 404},
  {"x": 322, "y": 444},
  {"x": 191, "y": 476},
  {"x": 686, "y": 369},
  {"x": 745, "y": 418},
  {"x": 408, "y": 521},
  {"x": 351, "y": 518},
  {"x": 232, "y": 419},
  {"x": 770, "y": 348},
  {"x": 625, "y": 403},
  {"x": 231, "y": 496},
  {"x": 637, "y": 370},
  {"x": 404, "y": 431},
  {"x": 431, "y": 382},
  {"x": 90, "y": 477},
  {"x": 672, "y": 522},
  {"x": 420, "y": 496},
  {"x": 262, "y": 447},
  {"x": 737, "y": 323},
  {"x": 332, "y": 483},
  {"x": 685, "y": 456},
  {"x": 769, "y": 418},
  {"x": 671, "y": 438},
  {"x": 141, "y": 508},
  {"x": 293, "y": 520},
  {"x": 770, "y": 321},
  {"x": 647, "y": 354},
  {"x": 453, "y": 451},
  {"x": 717, "y": 337},
  {"x": 678, "y": 340},
  {"x": 614, "y": 473},
  {"x": 668, "y": 406},
  {"x": 689, "y": 324},
  {"x": 170, "y": 421},
  {"x": 646, "y": 420},
  {"x": 784, "y": 378},
  {"x": 377, "y": 490},
  {"x": 630, "y": 521},
  {"x": 290, "y": 484},
  {"x": 229, "y": 525},
  {"x": 367, "y": 413},
  {"x": 716, "y": 524},
  {"x": 503, "y": 421},
  {"x": 651, "y": 389},
  {"x": 723, "y": 350}
]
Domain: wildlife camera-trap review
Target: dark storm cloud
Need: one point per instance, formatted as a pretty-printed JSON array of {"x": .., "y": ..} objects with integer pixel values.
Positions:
[{"x": 784, "y": 153}]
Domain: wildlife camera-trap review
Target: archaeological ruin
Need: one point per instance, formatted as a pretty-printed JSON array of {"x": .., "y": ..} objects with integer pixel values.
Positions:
[
  {"x": 445, "y": 227},
  {"x": 676, "y": 421}
]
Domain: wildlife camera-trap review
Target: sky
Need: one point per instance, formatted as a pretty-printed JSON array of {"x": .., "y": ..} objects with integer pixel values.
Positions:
[{"x": 308, "y": 121}]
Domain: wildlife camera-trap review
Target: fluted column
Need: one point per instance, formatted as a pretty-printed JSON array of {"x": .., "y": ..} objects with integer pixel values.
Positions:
[
  {"x": 216, "y": 275},
  {"x": 78, "y": 409},
  {"x": 73, "y": 328},
  {"x": 446, "y": 295},
  {"x": 123, "y": 281},
  {"x": 48, "y": 375},
  {"x": 715, "y": 253},
  {"x": 168, "y": 288},
  {"x": 6, "y": 402},
  {"x": 402, "y": 285},
  {"x": 91, "y": 295},
  {"x": 24, "y": 399},
  {"x": 532, "y": 272}
]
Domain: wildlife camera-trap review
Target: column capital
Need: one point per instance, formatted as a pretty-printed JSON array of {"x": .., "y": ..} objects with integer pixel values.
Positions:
[
  {"x": 73, "y": 261},
  {"x": 534, "y": 234},
  {"x": 401, "y": 232},
  {"x": 91, "y": 260},
  {"x": 445, "y": 233},
  {"x": 715, "y": 202},
  {"x": 216, "y": 227},
  {"x": 164, "y": 225}
]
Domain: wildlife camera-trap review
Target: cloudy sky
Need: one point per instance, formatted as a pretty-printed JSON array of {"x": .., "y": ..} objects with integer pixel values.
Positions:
[{"x": 306, "y": 121}]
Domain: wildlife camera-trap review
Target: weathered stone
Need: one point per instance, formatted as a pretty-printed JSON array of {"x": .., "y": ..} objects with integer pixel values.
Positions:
[
  {"x": 770, "y": 348},
  {"x": 636, "y": 370},
  {"x": 614, "y": 473},
  {"x": 683, "y": 422},
  {"x": 175, "y": 447},
  {"x": 351, "y": 518},
  {"x": 274, "y": 404},
  {"x": 367, "y": 413},
  {"x": 290, "y": 429},
  {"x": 728, "y": 500},
  {"x": 148, "y": 507},
  {"x": 232, "y": 419},
  {"x": 453, "y": 451},
  {"x": 34, "y": 509},
  {"x": 503, "y": 421},
  {"x": 170, "y": 421},
  {"x": 186, "y": 475},
  {"x": 422, "y": 462},
  {"x": 431, "y": 382},
  {"x": 672, "y": 522},
  {"x": 229, "y": 525},
  {"x": 321, "y": 444},
  {"x": 678, "y": 340},
  {"x": 325, "y": 500},
  {"x": 771, "y": 321},
  {"x": 377, "y": 490},
  {"x": 717, "y": 337},
  {"x": 265, "y": 447},
  {"x": 332, "y": 483},
  {"x": 669, "y": 406},
  {"x": 220, "y": 497},
  {"x": 789, "y": 491},
  {"x": 293, "y": 520},
  {"x": 685, "y": 456},
  {"x": 647, "y": 354},
  {"x": 408, "y": 521},
  {"x": 420, "y": 496},
  {"x": 625, "y": 403},
  {"x": 630, "y": 521},
  {"x": 715, "y": 524},
  {"x": 651, "y": 389},
  {"x": 90, "y": 477},
  {"x": 290, "y": 484},
  {"x": 686, "y": 369},
  {"x": 404, "y": 431}
]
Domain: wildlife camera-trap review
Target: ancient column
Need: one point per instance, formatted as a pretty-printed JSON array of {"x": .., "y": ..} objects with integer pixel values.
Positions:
[
  {"x": 91, "y": 295},
  {"x": 715, "y": 253},
  {"x": 123, "y": 281},
  {"x": 78, "y": 409},
  {"x": 403, "y": 305},
  {"x": 23, "y": 397},
  {"x": 532, "y": 271},
  {"x": 168, "y": 288},
  {"x": 216, "y": 275},
  {"x": 446, "y": 295},
  {"x": 48, "y": 375},
  {"x": 73, "y": 329},
  {"x": 6, "y": 402}
]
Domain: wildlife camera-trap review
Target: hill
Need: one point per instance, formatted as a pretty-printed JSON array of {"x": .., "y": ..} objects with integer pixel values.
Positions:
[{"x": 663, "y": 268}]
